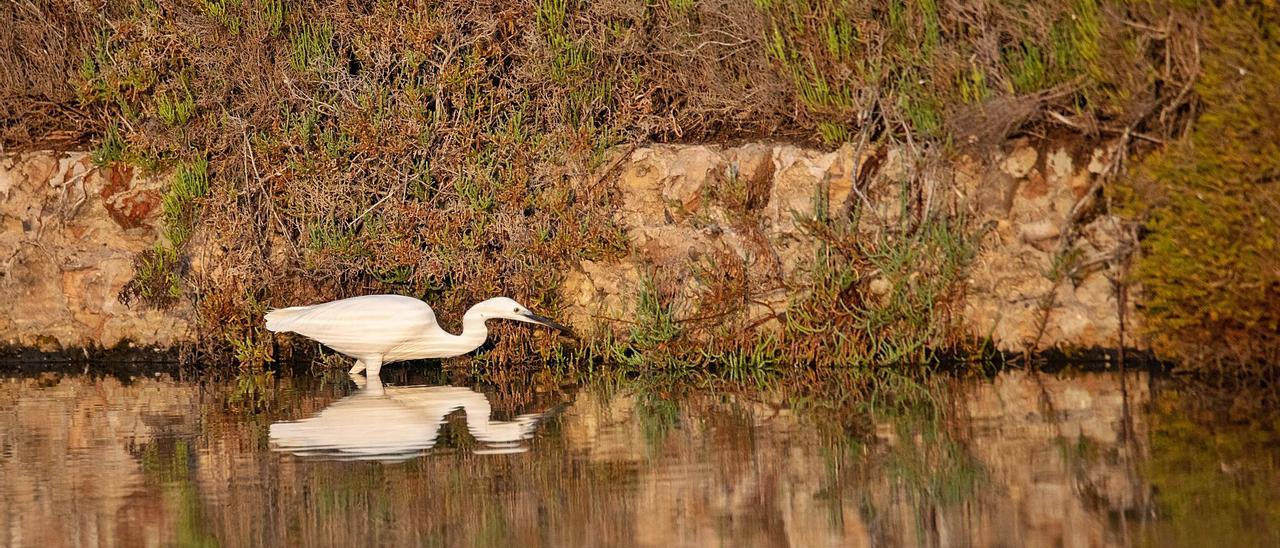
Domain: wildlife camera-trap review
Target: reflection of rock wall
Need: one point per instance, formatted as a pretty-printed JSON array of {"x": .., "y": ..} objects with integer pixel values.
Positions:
[
  {"x": 738, "y": 473},
  {"x": 1062, "y": 452},
  {"x": 1058, "y": 456},
  {"x": 70, "y": 233},
  {"x": 155, "y": 462},
  {"x": 70, "y": 472},
  {"x": 1051, "y": 460}
]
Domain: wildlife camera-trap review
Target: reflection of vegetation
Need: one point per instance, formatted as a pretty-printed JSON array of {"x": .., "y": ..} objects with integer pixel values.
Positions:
[
  {"x": 1079, "y": 452},
  {"x": 1214, "y": 484},
  {"x": 166, "y": 463},
  {"x": 901, "y": 459},
  {"x": 253, "y": 389},
  {"x": 493, "y": 529},
  {"x": 353, "y": 489},
  {"x": 929, "y": 462},
  {"x": 657, "y": 416}
]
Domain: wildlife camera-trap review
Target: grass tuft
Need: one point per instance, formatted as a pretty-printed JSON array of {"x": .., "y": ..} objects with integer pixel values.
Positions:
[
  {"x": 156, "y": 282},
  {"x": 225, "y": 12},
  {"x": 312, "y": 47},
  {"x": 179, "y": 206},
  {"x": 110, "y": 149},
  {"x": 175, "y": 109}
]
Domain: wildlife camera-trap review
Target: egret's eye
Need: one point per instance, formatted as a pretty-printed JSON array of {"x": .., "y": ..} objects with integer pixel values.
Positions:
[{"x": 516, "y": 310}]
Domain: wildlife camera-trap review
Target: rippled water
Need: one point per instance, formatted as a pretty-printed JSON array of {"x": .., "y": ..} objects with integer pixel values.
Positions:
[{"x": 1021, "y": 459}]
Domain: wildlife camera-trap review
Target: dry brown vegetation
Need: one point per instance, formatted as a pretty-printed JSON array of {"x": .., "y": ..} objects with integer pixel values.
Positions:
[{"x": 446, "y": 149}]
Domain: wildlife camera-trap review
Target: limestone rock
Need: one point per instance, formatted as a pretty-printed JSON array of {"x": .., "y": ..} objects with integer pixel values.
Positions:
[
  {"x": 1058, "y": 164},
  {"x": 1040, "y": 232},
  {"x": 641, "y": 186},
  {"x": 72, "y": 231},
  {"x": 682, "y": 205},
  {"x": 753, "y": 165},
  {"x": 1098, "y": 161},
  {"x": 688, "y": 176},
  {"x": 1007, "y": 284},
  {"x": 599, "y": 291},
  {"x": 1019, "y": 162}
]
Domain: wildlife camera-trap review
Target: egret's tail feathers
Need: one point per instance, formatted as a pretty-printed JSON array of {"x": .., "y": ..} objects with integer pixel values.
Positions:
[{"x": 281, "y": 319}]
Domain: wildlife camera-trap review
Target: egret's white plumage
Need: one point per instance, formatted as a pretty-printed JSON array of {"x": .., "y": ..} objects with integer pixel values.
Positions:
[{"x": 381, "y": 329}]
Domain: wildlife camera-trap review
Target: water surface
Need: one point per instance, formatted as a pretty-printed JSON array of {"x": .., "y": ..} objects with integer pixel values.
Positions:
[{"x": 264, "y": 459}]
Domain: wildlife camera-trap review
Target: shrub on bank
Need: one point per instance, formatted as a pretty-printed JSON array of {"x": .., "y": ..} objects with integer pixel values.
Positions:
[{"x": 1210, "y": 206}]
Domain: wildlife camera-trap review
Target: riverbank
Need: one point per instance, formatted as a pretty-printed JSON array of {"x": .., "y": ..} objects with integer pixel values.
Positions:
[{"x": 935, "y": 180}]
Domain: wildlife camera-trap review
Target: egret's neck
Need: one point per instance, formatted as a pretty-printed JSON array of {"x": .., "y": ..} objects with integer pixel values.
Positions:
[
  {"x": 474, "y": 332},
  {"x": 478, "y": 414}
]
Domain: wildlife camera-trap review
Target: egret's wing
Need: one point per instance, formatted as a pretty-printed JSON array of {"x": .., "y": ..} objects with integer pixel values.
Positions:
[
  {"x": 360, "y": 326},
  {"x": 359, "y": 426}
]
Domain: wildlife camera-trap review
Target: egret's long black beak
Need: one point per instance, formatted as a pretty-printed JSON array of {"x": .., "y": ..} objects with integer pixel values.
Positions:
[{"x": 547, "y": 322}]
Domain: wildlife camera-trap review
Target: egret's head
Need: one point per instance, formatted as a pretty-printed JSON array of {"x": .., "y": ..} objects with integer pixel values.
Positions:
[{"x": 508, "y": 309}]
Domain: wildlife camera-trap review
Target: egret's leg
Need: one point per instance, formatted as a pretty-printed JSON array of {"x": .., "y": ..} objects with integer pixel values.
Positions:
[
  {"x": 374, "y": 365},
  {"x": 359, "y": 380},
  {"x": 373, "y": 386},
  {"x": 357, "y": 368}
]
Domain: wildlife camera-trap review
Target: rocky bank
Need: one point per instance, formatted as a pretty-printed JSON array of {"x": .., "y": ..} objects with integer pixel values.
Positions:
[
  {"x": 72, "y": 231},
  {"x": 676, "y": 202}
]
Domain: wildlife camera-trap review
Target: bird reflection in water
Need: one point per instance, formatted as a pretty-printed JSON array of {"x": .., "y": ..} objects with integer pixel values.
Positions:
[{"x": 394, "y": 423}]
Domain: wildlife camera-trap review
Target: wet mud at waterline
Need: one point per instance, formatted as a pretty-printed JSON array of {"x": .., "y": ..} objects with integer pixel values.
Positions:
[{"x": 1022, "y": 458}]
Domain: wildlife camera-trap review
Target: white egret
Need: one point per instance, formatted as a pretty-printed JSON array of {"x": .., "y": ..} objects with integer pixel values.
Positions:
[{"x": 381, "y": 329}]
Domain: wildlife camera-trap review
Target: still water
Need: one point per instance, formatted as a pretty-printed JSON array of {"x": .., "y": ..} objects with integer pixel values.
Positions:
[{"x": 425, "y": 458}]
